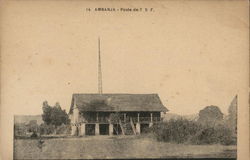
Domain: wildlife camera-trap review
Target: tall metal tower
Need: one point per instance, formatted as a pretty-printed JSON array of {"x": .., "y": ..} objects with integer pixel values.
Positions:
[{"x": 99, "y": 68}]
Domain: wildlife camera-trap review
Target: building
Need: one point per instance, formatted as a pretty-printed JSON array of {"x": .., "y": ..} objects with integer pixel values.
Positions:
[
  {"x": 108, "y": 114},
  {"x": 91, "y": 114}
]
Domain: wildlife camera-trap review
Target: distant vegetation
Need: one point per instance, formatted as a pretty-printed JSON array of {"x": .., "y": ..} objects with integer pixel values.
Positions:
[
  {"x": 210, "y": 128},
  {"x": 55, "y": 121},
  {"x": 210, "y": 116},
  {"x": 27, "y": 118},
  {"x": 54, "y": 115}
]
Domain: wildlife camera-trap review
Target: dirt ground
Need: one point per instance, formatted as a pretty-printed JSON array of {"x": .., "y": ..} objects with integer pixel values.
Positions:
[{"x": 115, "y": 147}]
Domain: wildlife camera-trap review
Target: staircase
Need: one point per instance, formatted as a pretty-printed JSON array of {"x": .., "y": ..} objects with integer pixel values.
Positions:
[
  {"x": 127, "y": 128},
  {"x": 132, "y": 125},
  {"x": 121, "y": 125}
]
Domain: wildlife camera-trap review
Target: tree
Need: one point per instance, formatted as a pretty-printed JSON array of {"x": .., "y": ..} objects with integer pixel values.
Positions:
[
  {"x": 32, "y": 126},
  {"x": 232, "y": 115},
  {"x": 46, "y": 113},
  {"x": 54, "y": 115},
  {"x": 210, "y": 116}
]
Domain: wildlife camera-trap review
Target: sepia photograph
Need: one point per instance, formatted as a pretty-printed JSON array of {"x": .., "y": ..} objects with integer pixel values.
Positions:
[{"x": 124, "y": 79}]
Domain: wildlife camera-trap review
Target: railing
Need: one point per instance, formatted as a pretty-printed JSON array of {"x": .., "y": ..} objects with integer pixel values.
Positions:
[
  {"x": 91, "y": 120},
  {"x": 135, "y": 119},
  {"x": 157, "y": 119},
  {"x": 100, "y": 120},
  {"x": 103, "y": 119},
  {"x": 146, "y": 119},
  {"x": 127, "y": 120}
]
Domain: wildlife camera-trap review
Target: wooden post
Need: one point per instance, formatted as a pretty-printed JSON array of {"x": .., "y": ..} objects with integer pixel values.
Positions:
[
  {"x": 151, "y": 117},
  {"x": 138, "y": 128},
  {"x": 124, "y": 117},
  {"x": 110, "y": 129},
  {"x": 97, "y": 129},
  {"x": 151, "y": 120},
  {"x": 97, "y": 118},
  {"x": 138, "y": 117}
]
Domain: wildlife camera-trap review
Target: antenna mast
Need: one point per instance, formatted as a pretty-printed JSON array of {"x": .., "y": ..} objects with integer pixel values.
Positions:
[{"x": 99, "y": 69}]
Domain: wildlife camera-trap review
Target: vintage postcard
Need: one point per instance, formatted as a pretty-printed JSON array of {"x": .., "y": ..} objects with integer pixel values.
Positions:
[{"x": 160, "y": 79}]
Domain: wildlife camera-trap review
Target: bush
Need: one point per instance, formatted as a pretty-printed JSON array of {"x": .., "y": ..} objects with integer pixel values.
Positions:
[
  {"x": 220, "y": 135},
  {"x": 185, "y": 131},
  {"x": 46, "y": 129},
  {"x": 34, "y": 135},
  {"x": 63, "y": 129},
  {"x": 178, "y": 131},
  {"x": 205, "y": 136},
  {"x": 51, "y": 129},
  {"x": 225, "y": 135},
  {"x": 20, "y": 130}
]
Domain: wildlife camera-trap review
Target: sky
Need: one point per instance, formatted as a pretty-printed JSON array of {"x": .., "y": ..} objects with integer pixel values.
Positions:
[{"x": 191, "y": 54}]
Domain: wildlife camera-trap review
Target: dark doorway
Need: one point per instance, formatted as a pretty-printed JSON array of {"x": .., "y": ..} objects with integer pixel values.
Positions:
[
  {"x": 117, "y": 129},
  {"x": 145, "y": 128},
  {"x": 104, "y": 129},
  {"x": 90, "y": 129}
]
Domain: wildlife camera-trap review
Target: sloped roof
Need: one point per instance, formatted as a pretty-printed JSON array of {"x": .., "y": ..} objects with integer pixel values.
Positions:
[{"x": 117, "y": 102}]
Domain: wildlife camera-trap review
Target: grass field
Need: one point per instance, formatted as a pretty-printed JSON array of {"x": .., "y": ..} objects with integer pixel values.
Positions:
[{"x": 115, "y": 147}]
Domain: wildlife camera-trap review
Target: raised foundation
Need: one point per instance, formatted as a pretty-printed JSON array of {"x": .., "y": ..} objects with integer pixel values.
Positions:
[
  {"x": 97, "y": 129},
  {"x": 73, "y": 130},
  {"x": 82, "y": 129},
  {"x": 111, "y": 129},
  {"x": 138, "y": 128}
]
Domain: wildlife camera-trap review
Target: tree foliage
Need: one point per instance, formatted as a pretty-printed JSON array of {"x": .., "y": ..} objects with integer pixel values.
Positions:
[
  {"x": 192, "y": 132},
  {"x": 219, "y": 134},
  {"x": 179, "y": 130},
  {"x": 51, "y": 129},
  {"x": 232, "y": 115},
  {"x": 210, "y": 116},
  {"x": 32, "y": 126},
  {"x": 208, "y": 129},
  {"x": 54, "y": 115}
]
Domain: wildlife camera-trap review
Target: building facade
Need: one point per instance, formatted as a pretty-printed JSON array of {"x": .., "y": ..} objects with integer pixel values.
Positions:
[{"x": 114, "y": 114}]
